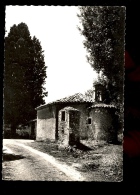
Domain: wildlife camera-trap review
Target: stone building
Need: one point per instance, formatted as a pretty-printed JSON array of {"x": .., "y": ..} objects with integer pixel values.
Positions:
[
  {"x": 77, "y": 117},
  {"x": 48, "y": 116}
]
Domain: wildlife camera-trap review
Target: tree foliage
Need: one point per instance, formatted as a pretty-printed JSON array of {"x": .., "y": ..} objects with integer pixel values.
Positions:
[
  {"x": 103, "y": 29},
  {"x": 24, "y": 76}
]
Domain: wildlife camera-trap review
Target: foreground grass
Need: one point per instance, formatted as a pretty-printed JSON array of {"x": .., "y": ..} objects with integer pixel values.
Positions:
[{"x": 102, "y": 162}]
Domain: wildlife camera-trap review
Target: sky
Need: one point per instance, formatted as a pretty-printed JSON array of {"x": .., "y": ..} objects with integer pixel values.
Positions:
[{"x": 68, "y": 71}]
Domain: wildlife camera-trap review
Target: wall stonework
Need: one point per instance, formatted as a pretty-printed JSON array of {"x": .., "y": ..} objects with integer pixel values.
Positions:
[
  {"x": 63, "y": 130},
  {"x": 82, "y": 107},
  {"x": 68, "y": 129},
  {"x": 74, "y": 126},
  {"x": 103, "y": 124}
]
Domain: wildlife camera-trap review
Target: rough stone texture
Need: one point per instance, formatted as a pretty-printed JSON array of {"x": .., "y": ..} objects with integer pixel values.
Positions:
[
  {"x": 46, "y": 123},
  {"x": 63, "y": 128},
  {"x": 68, "y": 130},
  {"x": 103, "y": 124},
  {"x": 82, "y": 107},
  {"x": 74, "y": 126}
]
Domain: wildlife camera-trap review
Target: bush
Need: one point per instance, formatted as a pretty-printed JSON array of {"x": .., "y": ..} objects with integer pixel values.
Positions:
[{"x": 24, "y": 135}]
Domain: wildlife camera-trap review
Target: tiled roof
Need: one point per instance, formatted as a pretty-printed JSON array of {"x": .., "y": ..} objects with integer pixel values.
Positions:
[
  {"x": 76, "y": 98},
  {"x": 99, "y": 105}
]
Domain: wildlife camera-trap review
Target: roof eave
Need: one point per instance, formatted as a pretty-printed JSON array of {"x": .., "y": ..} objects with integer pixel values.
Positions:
[{"x": 55, "y": 103}]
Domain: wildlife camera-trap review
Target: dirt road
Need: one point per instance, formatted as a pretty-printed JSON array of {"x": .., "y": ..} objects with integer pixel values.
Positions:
[{"x": 22, "y": 162}]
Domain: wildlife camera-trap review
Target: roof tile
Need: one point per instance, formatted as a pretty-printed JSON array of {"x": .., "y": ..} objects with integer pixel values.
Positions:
[{"x": 78, "y": 97}]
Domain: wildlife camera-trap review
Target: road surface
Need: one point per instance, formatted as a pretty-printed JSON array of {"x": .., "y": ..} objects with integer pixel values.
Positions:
[{"x": 21, "y": 162}]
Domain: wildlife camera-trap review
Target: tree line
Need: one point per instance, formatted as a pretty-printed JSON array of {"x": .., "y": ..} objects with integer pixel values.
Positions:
[{"x": 24, "y": 76}]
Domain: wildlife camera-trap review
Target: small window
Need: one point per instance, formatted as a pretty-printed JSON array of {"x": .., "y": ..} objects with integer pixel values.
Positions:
[
  {"x": 89, "y": 121},
  {"x": 63, "y": 116}
]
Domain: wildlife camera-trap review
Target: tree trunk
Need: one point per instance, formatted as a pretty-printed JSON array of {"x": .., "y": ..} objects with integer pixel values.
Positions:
[{"x": 13, "y": 130}]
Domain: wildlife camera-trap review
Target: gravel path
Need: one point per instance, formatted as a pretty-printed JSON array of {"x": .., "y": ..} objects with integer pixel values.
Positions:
[{"x": 28, "y": 164}]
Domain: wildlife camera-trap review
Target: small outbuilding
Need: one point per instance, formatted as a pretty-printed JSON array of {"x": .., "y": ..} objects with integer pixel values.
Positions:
[{"x": 47, "y": 116}]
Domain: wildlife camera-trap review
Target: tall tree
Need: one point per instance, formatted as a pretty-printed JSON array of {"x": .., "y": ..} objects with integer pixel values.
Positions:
[
  {"x": 24, "y": 76},
  {"x": 103, "y": 29}
]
